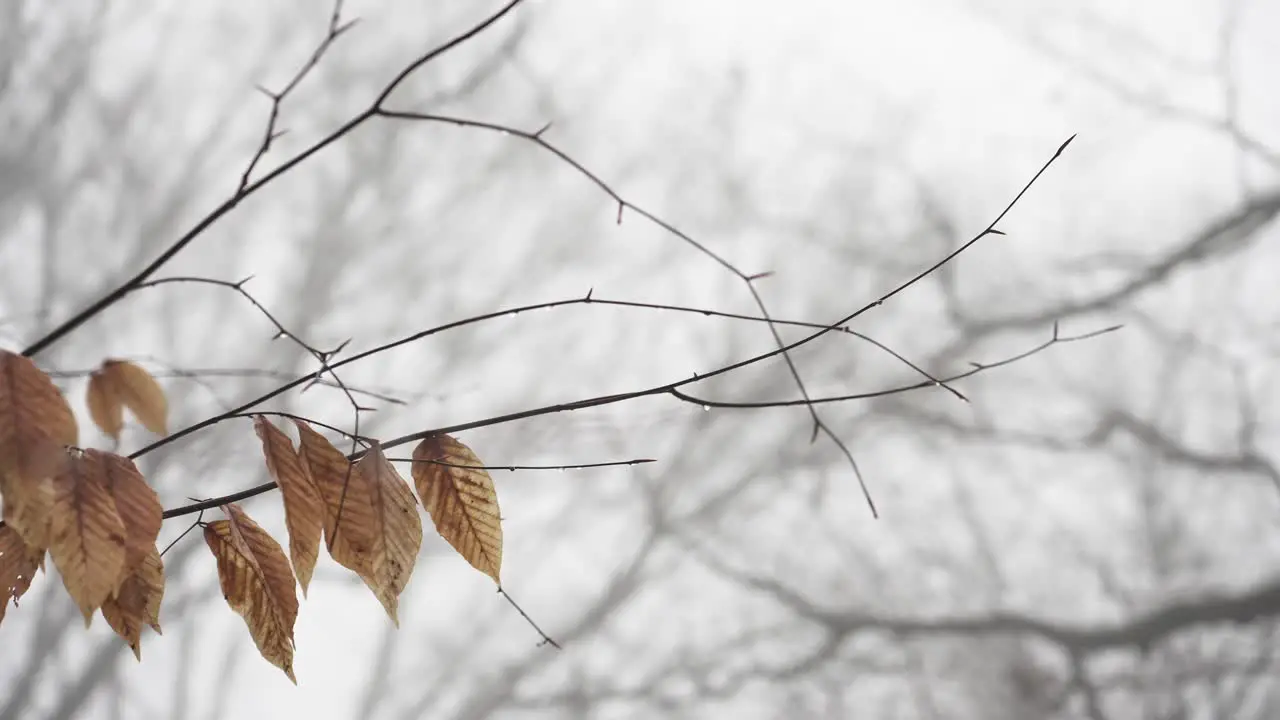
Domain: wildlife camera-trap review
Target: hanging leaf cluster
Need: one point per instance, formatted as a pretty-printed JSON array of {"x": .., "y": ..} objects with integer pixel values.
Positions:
[
  {"x": 93, "y": 513},
  {"x": 367, "y": 516},
  {"x": 90, "y": 511}
]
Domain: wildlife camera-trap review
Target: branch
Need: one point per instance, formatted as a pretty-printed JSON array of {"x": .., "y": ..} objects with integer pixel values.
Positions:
[
  {"x": 581, "y": 404},
  {"x": 321, "y": 356},
  {"x": 1056, "y": 339},
  {"x": 249, "y": 189},
  {"x": 239, "y": 373},
  {"x": 336, "y": 28},
  {"x": 749, "y": 280},
  {"x": 1142, "y": 632},
  {"x": 513, "y": 468},
  {"x": 666, "y": 389},
  {"x": 238, "y": 287},
  {"x": 588, "y": 300},
  {"x": 1119, "y": 86},
  {"x": 1220, "y": 236}
]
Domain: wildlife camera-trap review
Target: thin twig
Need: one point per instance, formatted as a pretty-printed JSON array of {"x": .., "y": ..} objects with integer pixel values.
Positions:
[
  {"x": 665, "y": 389},
  {"x": 748, "y": 279},
  {"x": 575, "y": 466},
  {"x": 321, "y": 356},
  {"x": 588, "y": 300},
  {"x": 975, "y": 369},
  {"x": 194, "y": 525},
  {"x": 546, "y": 639},
  {"x": 238, "y": 373},
  {"x": 269, "y": 135},
  {"x": 129, "y": 285},
  {"x": 596, "y": 402},
  {"x": 238, "y": 287}
]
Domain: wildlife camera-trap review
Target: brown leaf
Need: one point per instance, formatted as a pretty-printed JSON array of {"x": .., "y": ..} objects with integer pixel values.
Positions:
[
  {"x": 397, "y": 532},
  {"x": 461, "y": 501},
  {"x": 18, "y": 563},
  {"x": 151, "y": 574},
  {"x": 36, "y": 424},
  {"x": 303, "y": 508},
  {"x": 350, "y": 543},
  {"x": 138, "y": 602},
  {"x": 28, "y": 505},
  {"x": 87, "y": 537},
  {"x": 136, "y": 503},
  {"x": 257, "y": 582},
  {"x": 106, "y": 409},
  {"x": 139, "y": 392}
]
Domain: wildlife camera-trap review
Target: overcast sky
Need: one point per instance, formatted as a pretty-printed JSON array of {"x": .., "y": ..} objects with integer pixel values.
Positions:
[{"x": 789, "y": 138}]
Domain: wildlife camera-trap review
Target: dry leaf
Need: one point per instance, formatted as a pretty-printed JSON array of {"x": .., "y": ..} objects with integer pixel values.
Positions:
[
  {"x": 351, "y": 543},
  {"x": 18, "y": 563},
  {"x": 151, "y": 574},
  {"x": 397, "y": 532},
  {"x": 139, "y": 392},
  {"x": 138, "y": 602},
  {"x": 303, "y": 508},
  {"x": 461, "y": 501},
  {"x": 136, "y": 503},
  {"x": 257, "y": 582},
  {"x": 36, "y": 425},
  {"x": 106, "y": 409},
  {"x": 28, "y": 504},
  {"x": 87, "y": 537}
]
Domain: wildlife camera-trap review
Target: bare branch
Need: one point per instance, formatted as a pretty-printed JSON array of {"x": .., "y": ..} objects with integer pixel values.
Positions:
[
  {"x": 128, "y": 286},
  {"x": 665, "y": 389}
]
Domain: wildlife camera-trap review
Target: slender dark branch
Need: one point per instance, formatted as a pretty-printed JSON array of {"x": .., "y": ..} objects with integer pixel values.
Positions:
[
  {"x": 202, "y": 505},
  {"x": 1146, "y": 630},
  {"x": 1259, "y": 602},
  {"x": 577, "y": 466},
  {"x": 546, "y": 639},
  {"x": 974, "y": 370},
  {"x": 592, "y": 402},
  {"x": 588, "y": 300},
  {"x": 276, "y": 413},
  {"x": 238, "y": 287},
  {"x": 194, "y": 525},
  {"x": 112, "y": 297},
  {"x": 441, "y": 50},
  {"x": 240, "y": 373},
  {"x": 1088, "y": 691},
  {"x": 666, "y": 389}
]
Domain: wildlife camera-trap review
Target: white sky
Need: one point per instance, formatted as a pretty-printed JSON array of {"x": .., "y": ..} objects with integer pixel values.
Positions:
[{"x": 953, "y": 96}]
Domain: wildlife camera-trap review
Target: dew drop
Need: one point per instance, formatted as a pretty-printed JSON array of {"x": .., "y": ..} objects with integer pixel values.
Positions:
[{"x": 706, "y": 408}]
